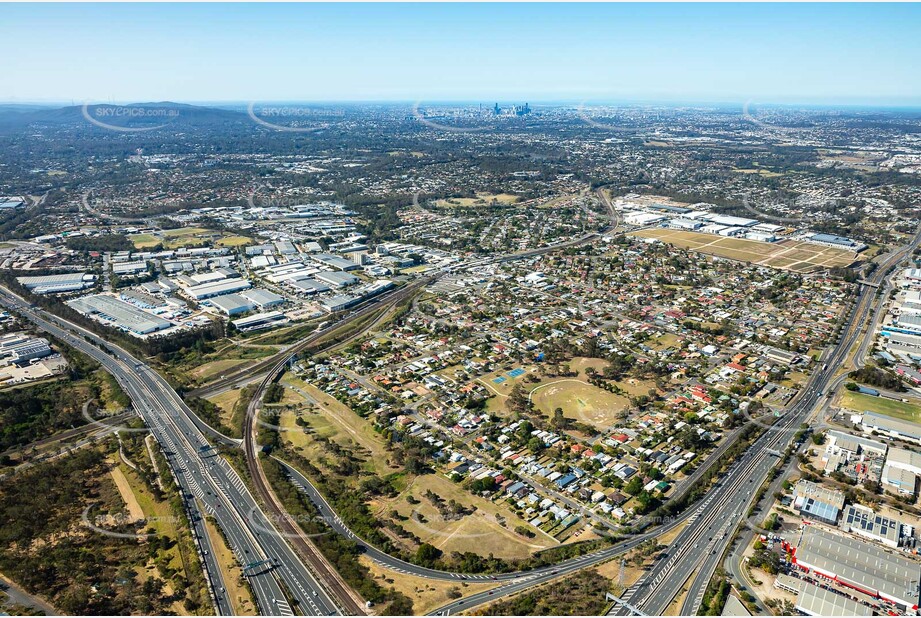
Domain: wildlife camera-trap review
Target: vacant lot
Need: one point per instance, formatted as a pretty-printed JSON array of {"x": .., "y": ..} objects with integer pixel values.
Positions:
[
  {"x": 881, "y": 405},
  {"x": 482, "y": 199},
  {"x": 792, "y": 255},
  {"x": 187, "y": 237}
]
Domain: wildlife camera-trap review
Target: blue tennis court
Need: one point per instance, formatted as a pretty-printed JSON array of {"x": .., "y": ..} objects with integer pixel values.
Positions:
[
  {"x": 498, "y": 380},
  {"x": 514, "y": 373}
]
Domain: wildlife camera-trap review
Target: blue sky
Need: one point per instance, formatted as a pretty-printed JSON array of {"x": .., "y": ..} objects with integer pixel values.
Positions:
[{"x": 793, "y": 53}]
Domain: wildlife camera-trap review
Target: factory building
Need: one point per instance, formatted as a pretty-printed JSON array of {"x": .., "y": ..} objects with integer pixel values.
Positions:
[
  {"x": 817, "y": 502},
  {"x": 217, "y": 288},
  {"x": 814, "y": 600},
  {"x": 19, "y": 349},
  {"x": 310, "y": 286},
  {"x": 338, "y": 303},
  {"x": 862, "y": 521},
  {"x": 644, "y": 218},
  {"x": 129, "y": 268},
  {"x": 684, "y": 224},
  {"x": 334, "y": 261},
  {"x": 861, "y": 566}
]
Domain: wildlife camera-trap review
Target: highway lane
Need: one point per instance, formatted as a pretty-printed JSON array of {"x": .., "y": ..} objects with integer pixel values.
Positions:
[{"x": 203, "y": 478}]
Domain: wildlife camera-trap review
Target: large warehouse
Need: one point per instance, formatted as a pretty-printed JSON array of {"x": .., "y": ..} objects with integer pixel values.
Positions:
[
  {"x": 861, "y": 566},
  {"x": 120, "y": 314},
  {"x": 55, "y": 284}
]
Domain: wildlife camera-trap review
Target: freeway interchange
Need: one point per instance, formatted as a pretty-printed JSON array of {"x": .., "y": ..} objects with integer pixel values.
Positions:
[{"x": 207, "y": 482}]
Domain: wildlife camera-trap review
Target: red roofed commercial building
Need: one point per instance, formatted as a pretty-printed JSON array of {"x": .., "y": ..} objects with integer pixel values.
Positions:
[{"x": 860, "y": 565}]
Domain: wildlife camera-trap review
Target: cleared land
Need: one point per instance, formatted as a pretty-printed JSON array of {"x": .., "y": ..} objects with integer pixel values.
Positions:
[
  {"x": 881, "y": 405},
  {"x": 482, "y": 199},
  {"x": 798, "y": 256}
]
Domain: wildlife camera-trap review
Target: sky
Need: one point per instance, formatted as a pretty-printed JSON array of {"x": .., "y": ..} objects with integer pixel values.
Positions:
[{"x": 766, "y": 53}]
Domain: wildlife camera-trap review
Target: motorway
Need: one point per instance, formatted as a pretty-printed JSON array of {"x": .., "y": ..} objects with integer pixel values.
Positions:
[
  {"x": 700, "y": 547},
  {"x": 207, "y": 482}
]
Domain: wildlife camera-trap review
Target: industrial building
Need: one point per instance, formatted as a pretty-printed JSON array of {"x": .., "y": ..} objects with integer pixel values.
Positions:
[
  {"x": 643, "y": 218},
  {"x": 264, "y": 299},
  {"x": 862, "y": 521},
  {"x": 731, "y": 221},
  {"x": 55, "y": 284},
  {"x": 817, "y": 502},
  {"x": 119, "y": 313},
  {"x": 904, "y": 459},
  {"x": 310, "y": 286},
  {"x": 814, "y": 600},
  {"x": 685, "y": 224},
  {"x": 19, "y": 349},
  {"x": 839, "y": 242},
  {"x": 861, "y": 566},
  {"x": 260, "y": 320},
  {"x": 888, "y": 426},
  {"x": 337, "y": 279},
  {"x": 129, "y": 268},
  {"x": 899, "y": 480},
  {"x": 217, "y": 288},
  {"x": 852, "y": 448},
  {"x": 338, "y": 303},
  {"x": 232, "y": 304},
  {"x": 334, "y": 261}
]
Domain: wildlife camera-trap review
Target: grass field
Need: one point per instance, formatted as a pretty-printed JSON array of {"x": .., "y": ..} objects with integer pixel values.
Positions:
[
  {"x": 798, "y": 256},
  {"x": 234, "y": 241},
  {"x": 480, "y": 532},
  {"x": 226, "y": 402},
  {"x": 187, "y": 236},
  {"x": 580, "y": 401},
  {"x": 331, "y": 419},
  {"x": 881, "y": 405},
  {"x": 143, "y": 241}
]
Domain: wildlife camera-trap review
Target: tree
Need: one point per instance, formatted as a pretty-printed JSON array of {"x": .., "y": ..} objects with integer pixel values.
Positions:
[
  {"x": 427, "y": 554},
  {"x": 635, "y": 486}
]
